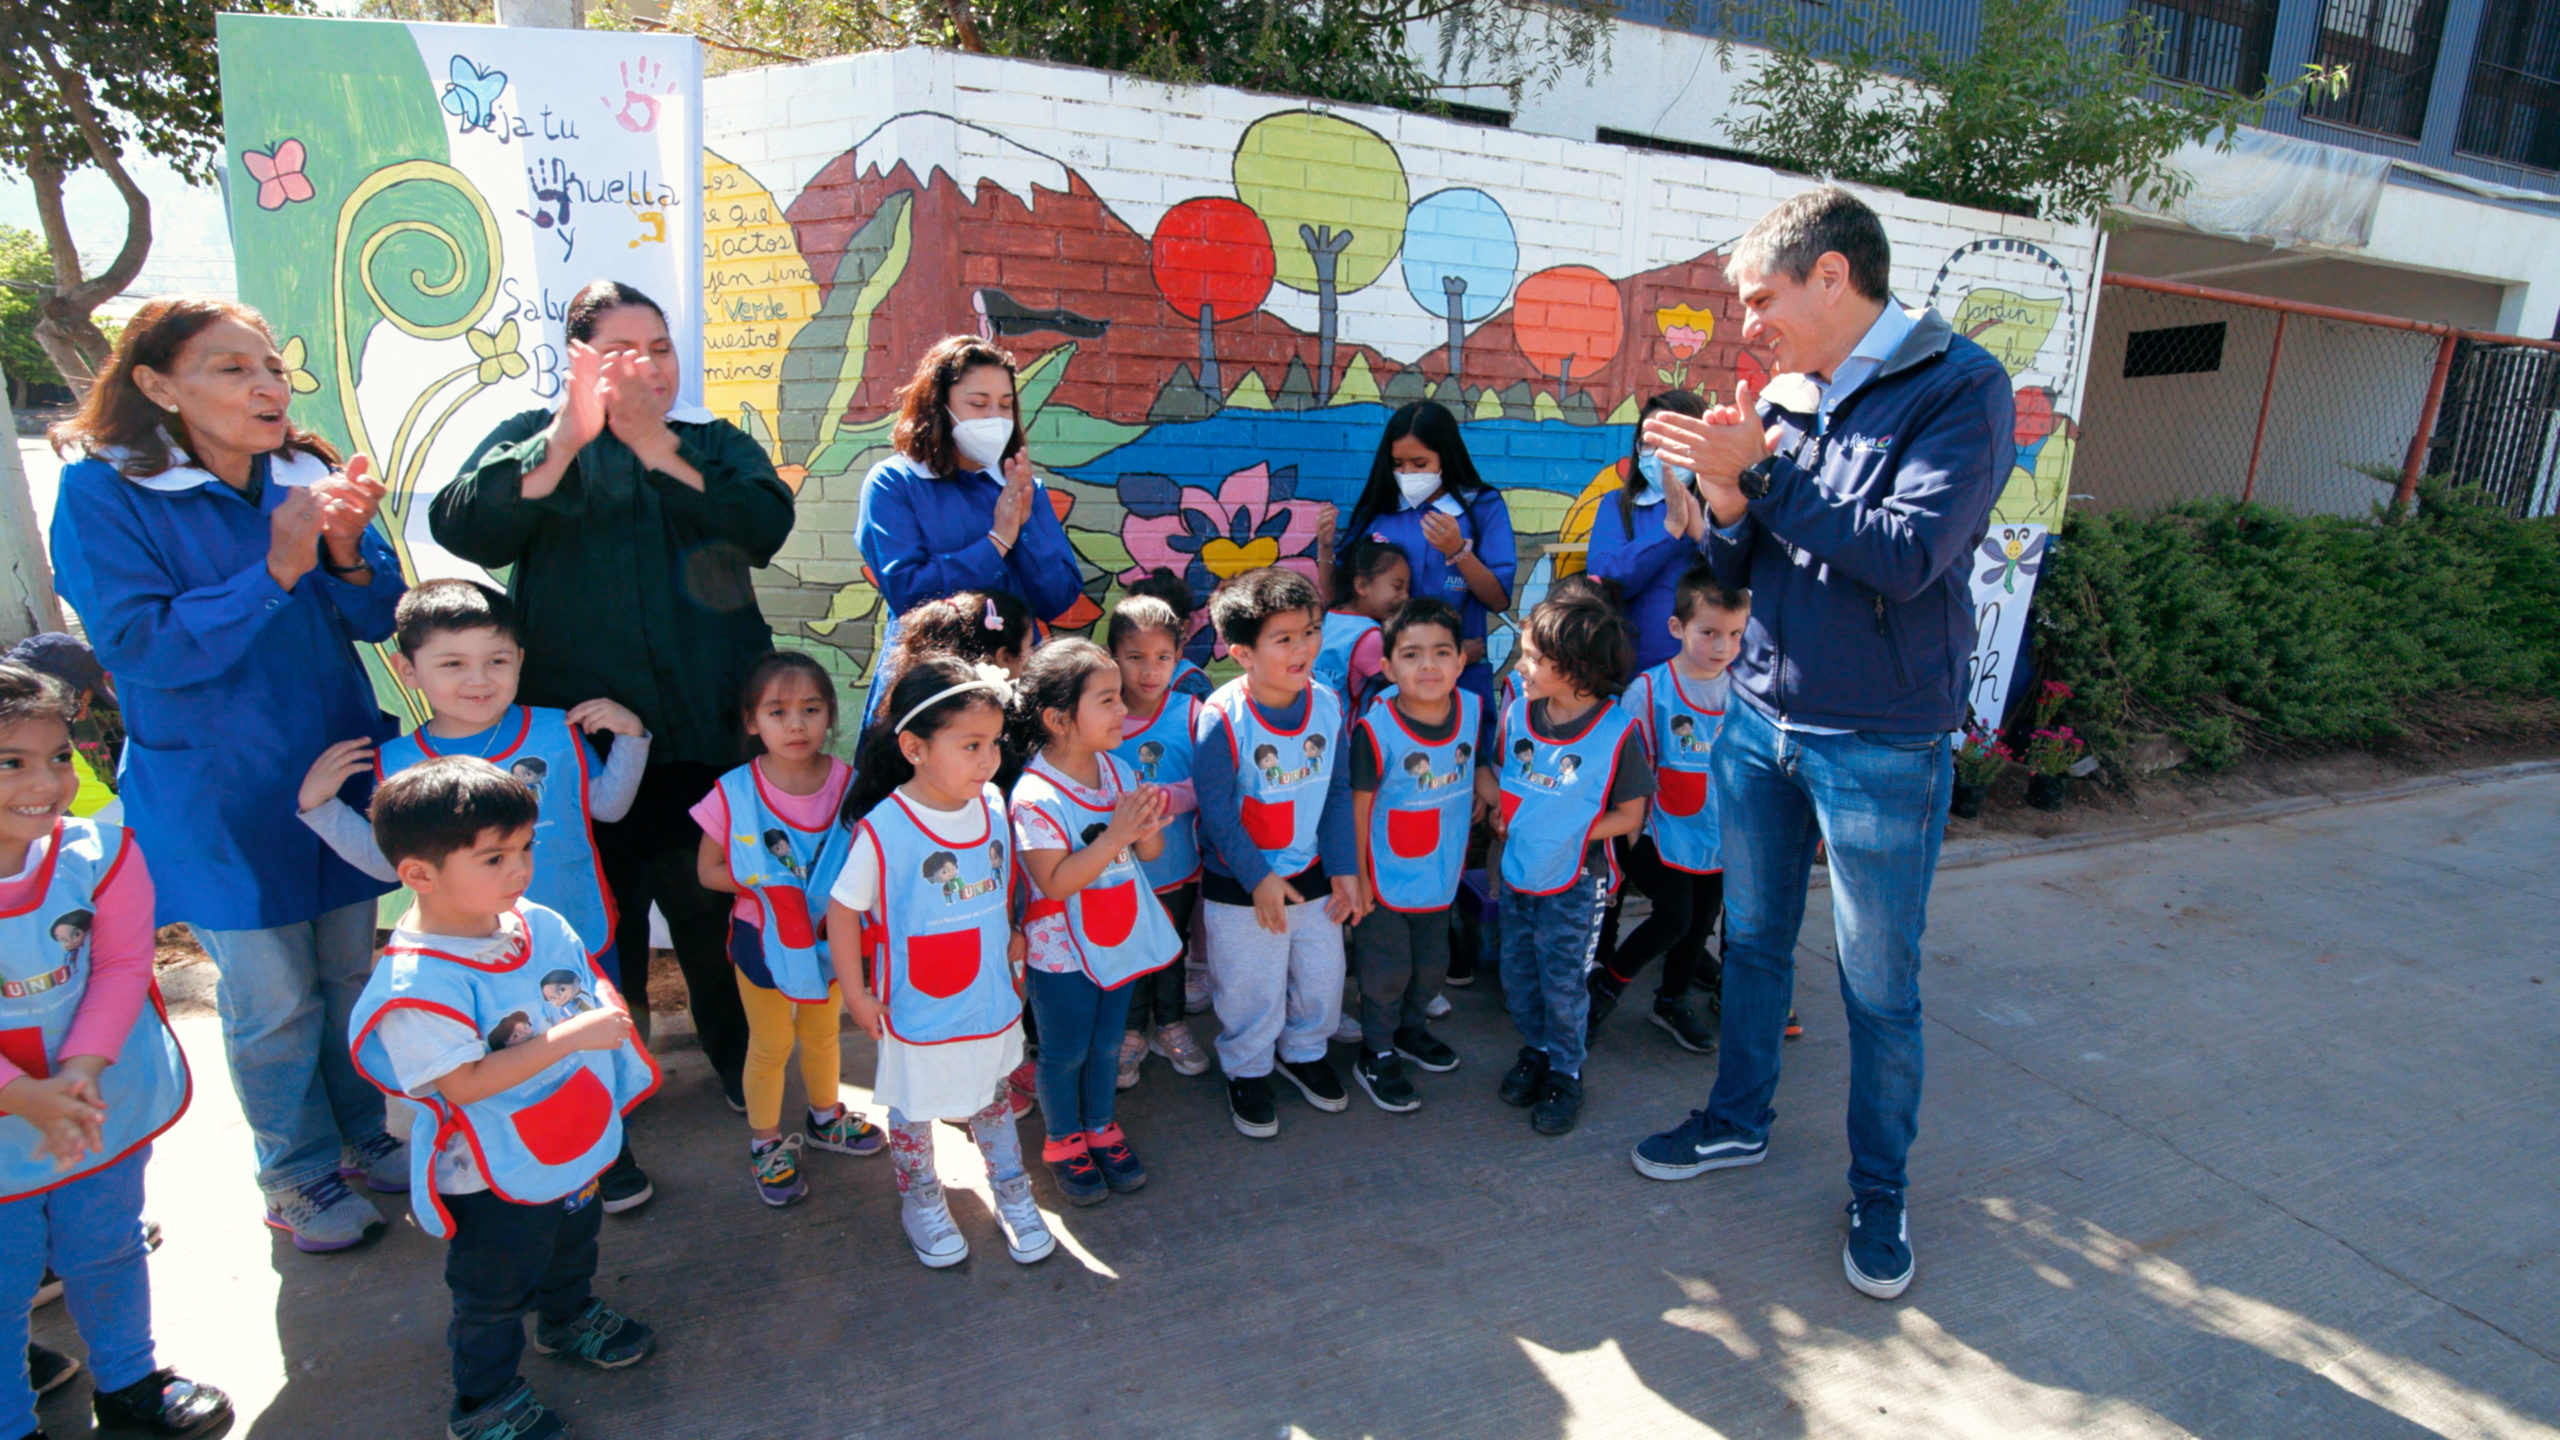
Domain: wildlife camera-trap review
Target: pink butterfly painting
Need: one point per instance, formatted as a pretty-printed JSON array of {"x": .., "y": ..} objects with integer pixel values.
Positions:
[{"x": 279, "y": 174}]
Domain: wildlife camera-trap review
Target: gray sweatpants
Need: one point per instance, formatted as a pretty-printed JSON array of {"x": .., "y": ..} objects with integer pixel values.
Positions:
[{"x": 1280, "y": 992}]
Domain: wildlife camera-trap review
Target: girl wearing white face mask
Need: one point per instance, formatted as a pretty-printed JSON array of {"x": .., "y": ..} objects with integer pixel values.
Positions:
[
  {"x": 957, "y": 508},
  {"x": 1425, "y": 497},
  {"x": 1650, "y": 534}
]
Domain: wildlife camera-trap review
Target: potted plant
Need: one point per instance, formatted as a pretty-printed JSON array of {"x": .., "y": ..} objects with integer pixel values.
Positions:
[
  {"x": 1980, "y": 761},
  {"x": 2051, "y": 753}
]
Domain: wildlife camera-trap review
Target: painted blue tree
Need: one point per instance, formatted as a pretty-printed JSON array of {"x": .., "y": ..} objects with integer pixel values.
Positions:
[{"x": 1460, "y": 257}]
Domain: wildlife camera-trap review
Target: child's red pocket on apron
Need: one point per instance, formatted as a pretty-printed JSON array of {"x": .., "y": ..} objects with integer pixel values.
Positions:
[
  {"x": 1270, "y": 824},
  {"x": 1680, "y": 792},
  {"x": 25, "y": 1049},
  {"x": 788, "y": 905},
  {"x": 1110, "y": 912},
  {"x": 943, "y": 965},
  {"x": 568, "y": 1122},
  {"x": 1510, "y": 807},
  {"x": 1413, "y": 834}
]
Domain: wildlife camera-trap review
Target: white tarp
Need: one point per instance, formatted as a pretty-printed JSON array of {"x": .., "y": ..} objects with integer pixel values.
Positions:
[{"x": 2276, "y": 190}]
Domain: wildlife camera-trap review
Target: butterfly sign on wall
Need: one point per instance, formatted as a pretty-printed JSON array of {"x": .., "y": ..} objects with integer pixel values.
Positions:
[
  {"x": 2012, "y": 552},
  {"x": 471, "y": 94},
  {"x": 278, "y": 171}
]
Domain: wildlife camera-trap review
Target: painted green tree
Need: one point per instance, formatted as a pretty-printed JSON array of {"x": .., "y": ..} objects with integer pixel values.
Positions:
[{"x": 1333, "y": 195}]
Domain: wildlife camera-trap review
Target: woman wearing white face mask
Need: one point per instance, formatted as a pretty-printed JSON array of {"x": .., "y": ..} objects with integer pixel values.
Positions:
[
  {"x": 1425, "y": 497},
  {"x": 956, "y": 508},
  {"x": 1650, "y": 535}
]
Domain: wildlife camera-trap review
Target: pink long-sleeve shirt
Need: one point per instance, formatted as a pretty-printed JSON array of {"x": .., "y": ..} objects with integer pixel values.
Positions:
[{"x": 121, "y": 948}]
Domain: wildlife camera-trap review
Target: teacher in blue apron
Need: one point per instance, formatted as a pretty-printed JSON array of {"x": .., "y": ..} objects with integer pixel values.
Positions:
[
  {"x": 1649, "y": 534},
  {"x": 1425, "y": 498},
  {"x": 956, "y": 508},
  {"x": 223, "y": 564}
]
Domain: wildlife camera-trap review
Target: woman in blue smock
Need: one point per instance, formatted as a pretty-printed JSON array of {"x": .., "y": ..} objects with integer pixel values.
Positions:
[
  {"x": 936, "y": 519},
  {"x": 1426, "y": 499},
  {"x": 1647, "y": 535},
  {"x": 224, "y": 566}
]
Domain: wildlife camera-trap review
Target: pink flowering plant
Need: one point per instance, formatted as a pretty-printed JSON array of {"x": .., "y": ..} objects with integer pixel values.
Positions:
[
  {"x": 1982, "y": 758},
  {"x": 2053, "y": 750},
  {"x": 2051, "y": 696}
]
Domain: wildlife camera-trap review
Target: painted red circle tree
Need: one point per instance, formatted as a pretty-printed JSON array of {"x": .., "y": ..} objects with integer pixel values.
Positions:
[
  {"x": 1567, "y": 316},
  {"x": 1212, "y": 261}
]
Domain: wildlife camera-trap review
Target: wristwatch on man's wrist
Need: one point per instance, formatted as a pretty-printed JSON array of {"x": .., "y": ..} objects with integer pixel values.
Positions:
[{"x": 1754, "y": 479}]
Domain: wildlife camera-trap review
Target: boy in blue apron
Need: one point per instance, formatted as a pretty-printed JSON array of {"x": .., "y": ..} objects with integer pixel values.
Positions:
[
  {"x": 1280, "y": 870},
  {"x": 1576, "y": 781},
  {"x": 1413, "y": 795},
  {"x": 1678, "y": 708},
  {"x": 90, "y": 1075},
  {"x": 456, "y": 646},
  {"x": 519, "y": 1079}
]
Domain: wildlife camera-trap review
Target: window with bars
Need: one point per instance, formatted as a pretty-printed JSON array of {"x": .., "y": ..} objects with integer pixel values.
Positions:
[
  {"x": 2218, "y": 44},
  {"x": 2512, "y": 109},
  {"x": 2389, "y": 50}
]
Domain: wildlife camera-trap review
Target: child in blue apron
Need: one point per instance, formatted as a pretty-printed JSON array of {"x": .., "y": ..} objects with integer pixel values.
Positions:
[
  {"x": 1188, "y": 678},
  {"x": 1083, "y": 823},
  {"x": 1414, "y": 758},
  {"x": 518, "y": 1091},
  {"x": 1575, "y": 778},
  {"x": 1678, "y": 707},
  {"x": 90, "y": 1075},
  {"x": 1371, "y": 581},
  {"x": 774, "y": 836},
  {"x": 924, "y": 902},
  {"x": 1145, "y": 639},
  {"x": 455, "y": 645}
]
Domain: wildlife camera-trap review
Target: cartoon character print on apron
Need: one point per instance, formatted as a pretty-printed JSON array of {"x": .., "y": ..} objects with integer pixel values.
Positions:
[
  {"x": 1553, "y": 794},
  {"x": 1160, "y": 754},
  {"x": 1281, "y": 775}
]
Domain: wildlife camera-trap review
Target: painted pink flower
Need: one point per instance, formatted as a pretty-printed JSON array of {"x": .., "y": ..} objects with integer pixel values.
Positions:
[
  {"x": 279, "y": 174},
  {"x": 1255, "y": 519}
]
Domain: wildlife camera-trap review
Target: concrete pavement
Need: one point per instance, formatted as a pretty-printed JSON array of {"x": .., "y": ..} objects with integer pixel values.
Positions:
[{"x": 2245, "y": 1132}]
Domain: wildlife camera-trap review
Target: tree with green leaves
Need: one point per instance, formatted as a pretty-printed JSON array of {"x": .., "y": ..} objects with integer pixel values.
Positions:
[
  {"x": 26, "y": 273},
  {"x": 91, "y": 80},
  {"x": 2035, "y": 117}
]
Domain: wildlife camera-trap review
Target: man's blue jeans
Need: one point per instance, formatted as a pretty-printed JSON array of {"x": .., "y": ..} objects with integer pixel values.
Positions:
[
  {"x": 1880, "y": 802},
  {"x": 285, "y": 995}
]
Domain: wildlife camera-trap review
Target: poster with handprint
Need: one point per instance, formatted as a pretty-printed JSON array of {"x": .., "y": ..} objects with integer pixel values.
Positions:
[{"x": 412, "y": 207}]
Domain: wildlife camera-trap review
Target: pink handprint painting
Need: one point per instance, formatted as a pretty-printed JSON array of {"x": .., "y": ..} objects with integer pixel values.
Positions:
[{"x": 644, "y": 85}]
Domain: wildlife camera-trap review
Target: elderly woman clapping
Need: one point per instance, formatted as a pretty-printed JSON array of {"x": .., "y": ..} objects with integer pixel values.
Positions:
[{"x": 224, "y": 567}]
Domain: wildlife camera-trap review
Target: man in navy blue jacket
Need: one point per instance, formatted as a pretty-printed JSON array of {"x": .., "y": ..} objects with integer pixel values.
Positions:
[{"x": 1849, "y": 522}]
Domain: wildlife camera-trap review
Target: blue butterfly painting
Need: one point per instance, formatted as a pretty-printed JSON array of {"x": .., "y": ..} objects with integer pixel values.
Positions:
[
  {"x": 2010, "y": 552},
  {"x": 473, "y": 94}
]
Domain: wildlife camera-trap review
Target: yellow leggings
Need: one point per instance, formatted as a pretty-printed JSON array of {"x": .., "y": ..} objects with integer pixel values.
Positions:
[{"x": 774, "y": 1020}]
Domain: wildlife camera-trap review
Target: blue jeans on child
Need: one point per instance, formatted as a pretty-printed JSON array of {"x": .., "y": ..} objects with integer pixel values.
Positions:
[
  {"x": 285, "y": 994},
  {"x": 1547, "y": 945},
  {"x": 1880, "y": 802},
  {"x": 90, "y": 1232},
  {"x": 1079, "y": 1068},
  {"x": 505, "y": 1259}
]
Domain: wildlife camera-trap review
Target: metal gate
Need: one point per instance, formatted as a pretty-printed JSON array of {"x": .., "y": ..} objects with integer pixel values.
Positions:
[{"x": 2500, "y": 426}]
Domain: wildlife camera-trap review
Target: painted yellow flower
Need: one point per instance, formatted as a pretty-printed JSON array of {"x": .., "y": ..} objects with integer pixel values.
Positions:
[
  {"x": 1684, "y": 329},
  {"x": 293, "y": 355},
  {"x": 498, "y": 356}
]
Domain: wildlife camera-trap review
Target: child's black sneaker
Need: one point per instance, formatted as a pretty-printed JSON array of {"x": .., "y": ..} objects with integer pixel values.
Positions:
[
  {"x": 1682, "y": 1023},
  {"x": 624, "y": 1186},
  {"x": 48, "y": 1370},
  {"x": 1604, "y": 999},
  {"x": 1526, "y": 1080},
  {"x": 514, "y": 1415},
  {"x": 163, "y": 1403},
  {"x": 1071, "y": 1164},
  {"x": 1250, "y": 1106},
  {"x": 1382, "y": 1076},
  {"x": 1426, "y": 1050},
  {"x": 733, "y": 1089},
  {"x": 1559, "y": 1107},
  {"x": 1120, "y": 1168},
  {"x": 1316, "y": 1081},
  {"x": 599, "y": 1336}
]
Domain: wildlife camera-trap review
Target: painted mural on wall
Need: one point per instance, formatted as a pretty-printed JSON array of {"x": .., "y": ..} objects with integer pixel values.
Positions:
[{"x": 1181, "y": 422}]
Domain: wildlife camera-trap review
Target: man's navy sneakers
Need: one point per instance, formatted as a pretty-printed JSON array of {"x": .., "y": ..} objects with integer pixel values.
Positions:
[
  {"x": 1694, "y": 1147},
  {"x": 1878, "y": 1255}
]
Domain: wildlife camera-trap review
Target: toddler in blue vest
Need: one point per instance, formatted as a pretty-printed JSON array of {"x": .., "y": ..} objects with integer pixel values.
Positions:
[
  {"x": 1415, "y": 758},
  {"x": 1280, "y": 874},
  {"x": 1187, "y": 677},
  {"x": 924, "y": 904},
  {"x": 1083, "y": 822},
  {"x": 1145, "y": 638},
  {"x": 455, "y": 644},
  {"x": 90, "y": 1075},
  {"x": 1678, "y": 708},
  {"x": 1371, "y": 580},
  {"x": 1574, "y": 779},
  {"x": 519, "y": 1090},
  {"x": 773, "y": 834}
]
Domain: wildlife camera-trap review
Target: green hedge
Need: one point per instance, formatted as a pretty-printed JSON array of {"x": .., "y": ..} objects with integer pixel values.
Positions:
[{"x": 2236, "y": 628}]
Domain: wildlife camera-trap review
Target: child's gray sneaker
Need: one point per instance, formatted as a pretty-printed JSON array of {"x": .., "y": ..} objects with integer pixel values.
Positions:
[
  {"x": 323, "y": 1216},
  {"x": 930, "y": 1228},
  {"x": 514, "y": 1415},
  {"x": 382, "y": 1163},
  {"x": 598, "y": 1336},
  {"x": 1026, "y": 1235}
]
